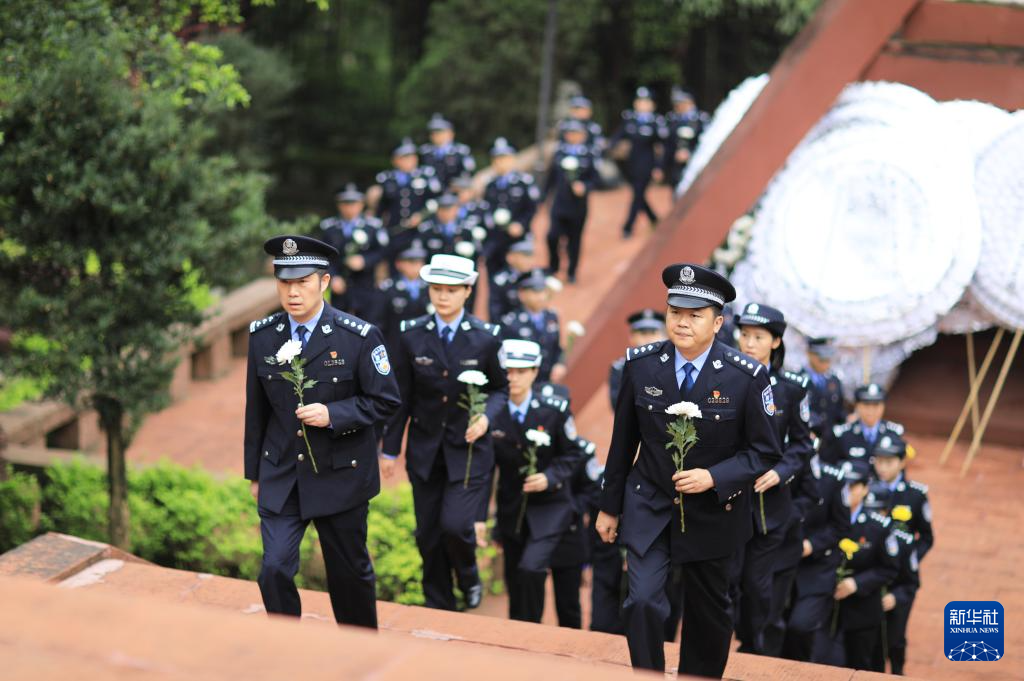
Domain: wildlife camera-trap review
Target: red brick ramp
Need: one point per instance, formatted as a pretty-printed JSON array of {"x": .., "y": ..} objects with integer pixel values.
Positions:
[{"x": 119, "y": 619}]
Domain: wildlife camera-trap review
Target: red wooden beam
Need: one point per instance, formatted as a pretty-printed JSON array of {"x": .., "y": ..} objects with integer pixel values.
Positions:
[
  {"x": 941, "y": 21},
  {"x": 834, "y": 49},
  {"x": 1001, "y": 84}
]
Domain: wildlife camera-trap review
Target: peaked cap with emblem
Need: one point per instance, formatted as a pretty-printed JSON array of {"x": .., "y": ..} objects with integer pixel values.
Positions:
[
  {"x": 646, "y": 320},
  {"x": 878, "y": 498},
  {"x": 405, "y": 148},
  {"x": 298, "y": 256},
  {"x": 680, "y": 95},
  {"x": 415, "y": 251},
  {"x": 501, "y": 147},
  {"x": 573, "y": 125},
  {"x": 524, "y": 246},
  {"x": 693, "y": 286},
  {"x": 822, "y": 347},
  {"x": 521, "y": 354},
  {"x": 643, "y": 93},
  {"x": 438, "y": 122},
  {"x": 350, "y": 194},
  {"x": 869, "y": 394},
  {"x": 453, "y": 270},
  {"x": 758, "y": 314},
  {"x": 856, "y": 470},
  {"x": 536, "y": 280}
]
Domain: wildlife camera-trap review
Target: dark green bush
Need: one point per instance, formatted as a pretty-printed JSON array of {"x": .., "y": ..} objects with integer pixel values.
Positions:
[{"x": 19, "y": 509}]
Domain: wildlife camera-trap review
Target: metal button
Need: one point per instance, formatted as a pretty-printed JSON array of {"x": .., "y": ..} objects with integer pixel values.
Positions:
[
  {"x": 354, "y": 463},
  {"x": 298, "y": 433},
  {"x": 302, "y": 457},
  {"x": 444, "y": 398},
  {"x": 675, "y": 500},
  {"x": 718, "y": 417},
  {"x": 728, "y": 507},
  {"x": 638, "y": 488},
  {"x": 444, "y": 374},
  {"x": 266, "y": 453},
  {"x": 335, "y": 379},
  {"x": 649, "y": 407}
]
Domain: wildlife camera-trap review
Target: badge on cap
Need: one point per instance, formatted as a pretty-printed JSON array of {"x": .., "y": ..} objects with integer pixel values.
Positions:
[
  {"x": 686, "y": 275},
  {"x": 872, "y": 389},
  {"x": 753, "y": 308},
  {"x": 886, "y": 442},
  {"x": 289, "y": 247}
]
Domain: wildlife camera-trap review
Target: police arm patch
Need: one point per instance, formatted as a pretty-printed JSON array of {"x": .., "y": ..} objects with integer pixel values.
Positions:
[
  {"x": 768, "y": 400},
  {"x": 381, "y": 363},
  {"x": 892, "y": 546},
  {"x": 805, "y": 410}
]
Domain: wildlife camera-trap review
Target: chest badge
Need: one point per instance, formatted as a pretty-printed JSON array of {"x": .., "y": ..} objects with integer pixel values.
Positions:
[
  {"x": 664, "y": 357},
  {"x": 653, "y": 391},
  {"x": 279, "y": 328},
  {"x": 424, "y": 361},
  {"x": 716, "y": 398},
  {"x": 717, "y": 364},
  {"x": 326, "y": 328}
]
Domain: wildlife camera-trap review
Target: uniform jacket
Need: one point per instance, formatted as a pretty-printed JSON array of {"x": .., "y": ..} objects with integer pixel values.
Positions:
[
  {"x": 874, "y": 566},
  {"x": 365, "y": 236},
  {"x": 908, "y": 580},
  {"x": 566, "y": 204},
  {"x": 848, "y": 441},
  {"x": 520, "y": 325},
  {"x": 644, "y": 132},
  {"x": 503, "y": 296},
  {"x": 826, "y": 403},
  {"x": 400, "y": 199},
  {"x": 465, "y": 238},
  {"x": 400, "y": 306},
  {"x": 737, "y": 442},
  {"x": 551, "y": 511},
  {"x": 825, "y": 514},
  {"x": 682, "y": 132},
  {"x": 448, "y": 163},
  {"x": 794, "y": 436},
  {"x": 615, "y": 379},
  {"x": 915, "y": 495},
  {"x": 427, "y": 375},
  {"x": 354, "y": 379}
]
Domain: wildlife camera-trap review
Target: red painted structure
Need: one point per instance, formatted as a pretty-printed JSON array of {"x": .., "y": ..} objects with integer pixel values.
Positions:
[{"x": 949, "y": 50}]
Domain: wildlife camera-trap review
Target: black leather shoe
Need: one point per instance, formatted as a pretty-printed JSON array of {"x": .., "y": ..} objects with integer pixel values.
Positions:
[{"x": 474, "y": 595}]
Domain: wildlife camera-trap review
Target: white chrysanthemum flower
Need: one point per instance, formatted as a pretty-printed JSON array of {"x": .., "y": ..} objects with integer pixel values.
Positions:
[
  {"x": 727, "y": 256},
  {"x": 576, "y": 329},
  {"x": 465, "y": 249},
  {"x": 538, "y": 437},
  {"x": 288, "y": 351},
  {"x": 359, "y": 236},
  {"x": 553, "y": 283},
  {"x": 570, "y": 163},
  {"x": 502, "y": 216},
  {"x": 479, "y": 233},
  {"x": 431, "y": 206},
  {"x": 688, "y": 409},
  {"x": 743, "y": 223},
  {"x": 473, "y": 377}
]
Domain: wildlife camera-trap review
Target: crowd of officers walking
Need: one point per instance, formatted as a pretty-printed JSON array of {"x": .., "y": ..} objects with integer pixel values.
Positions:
[{"x": 837, "y": 528}]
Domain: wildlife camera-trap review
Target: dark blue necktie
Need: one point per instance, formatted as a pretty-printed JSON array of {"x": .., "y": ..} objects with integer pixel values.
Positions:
[
  {"x": 446, "y": 335},
  {"x": 301, "y": 332},
  {"x": 688, "y": 378},
  {"x": 520, "y": 416}
]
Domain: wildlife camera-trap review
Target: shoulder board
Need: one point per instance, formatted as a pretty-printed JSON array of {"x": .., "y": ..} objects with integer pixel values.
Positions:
[
  {"x": 263, "y": 323},
  {"x": 501, "y": 278},
  {"x": 880, "y": 519},
  {"x": 619, "y": 363},
  {"x": 382, "y": 177},
  {"x": 744, "y": 362},
  {"x": 627, "y": 114},
  {"x": 799, "y": 378},
  {"x": 462, "y": 148},
  {"x": 841, "y": 428},
  {"x": 919, "y": 486},
  {"x": 427, "y": 171},
  {"x": 492, "y": 329},
  {"x": 527, "y": 177},
  {"x": 904, "y": 536},
  {"x": 894, "y": 427},
  {"x": 413, "y": 323},
  {"x": 508, "y": 319},
  {"x": 829, "y": 469},
  {"x": 556, "y": 402},
  {"x": 426, "y": 148},
  {"x": 352, "y": 323},
  {"x": 373, "y": 221},
  {"x": 386, "y": 285},
  {"x": 643, "y": 350},
  {"x": 326, "y": 224}
]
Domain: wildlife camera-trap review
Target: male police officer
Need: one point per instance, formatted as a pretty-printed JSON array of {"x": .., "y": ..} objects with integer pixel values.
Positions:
[
  {"x": 825, "y": 391},
  {"x": 331, "y": 479},
  {"x": 571, "y": 177},
  {"x": 736, "y": 443},
  {"x": 646, "y": 131},
  {"x": 512, "y": 198},
  {"x": 449, "y": 488},
  {"x": 448, "y": 158},
  {"x": 685, "y": 123},
  {"x": 645, "y": 326},
  {"x": 404, "y": 193},
  {"x": 362, "y": 241}
]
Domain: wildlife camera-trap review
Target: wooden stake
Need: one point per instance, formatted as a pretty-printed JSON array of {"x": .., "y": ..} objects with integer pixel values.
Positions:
[
  {"x": 972, "y": 395},
  {"x": 991, "y": 406},
  {"x": 865, "y": 371},
  {"x": 972, "y": 372}
]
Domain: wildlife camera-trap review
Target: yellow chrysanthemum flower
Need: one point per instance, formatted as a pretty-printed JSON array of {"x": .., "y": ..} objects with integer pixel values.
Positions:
[
  {"x": 911, "y": 452},
  {"x": 902, "y": 513},
  {"x": 849, "y": 547}
]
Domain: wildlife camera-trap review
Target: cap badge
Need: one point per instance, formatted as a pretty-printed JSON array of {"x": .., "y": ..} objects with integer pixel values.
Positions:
[
  {"x": 686, "y": 275},
  {"x": 289, "y": 247},
  {"x": 752, "y": 308},
  {"x": 872, "y": 389}
]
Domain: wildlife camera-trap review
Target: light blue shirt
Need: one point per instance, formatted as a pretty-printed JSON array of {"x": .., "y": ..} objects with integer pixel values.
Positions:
[
  {"x": 413, "y": 287},
  {"x": 870, "y": 434},
  {"x": 698, "y": 364},
  {"x": 454, "y": 326},
  {"x": 895, "y": 483},
  {"x": 514, "y": 408},
  {"x": 310, "y": 325},
  {"x": 855, "y": 512}
]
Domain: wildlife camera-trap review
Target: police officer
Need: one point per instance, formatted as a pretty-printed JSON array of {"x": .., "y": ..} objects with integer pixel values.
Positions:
[
  {"x": 898, "y": 599},
  {"x": 362, "y": 242},
  {"x": 404, "y": 192},
  {"x": 570, "y": 178},
  {"x": 825, "y": 389},
  {"x": 405, "y": 296},
  {"x": 646, "y": 132},
  {"x": 534, "y": 500},
  {"x": 646, "y": 326},
  {"x": 581, "y": 109},
  {"x": 449, "y": 478},
  {"x": 315, "y": 458},
  {"x": 869, "y": 569},
  {"x": 822, "y": 496},
  {"x": 776, "y": 542},
  {"x": 504, "y": 285},
  {"x": 685, "y": 124},
  {"x": 512, "y": 197},
  {"x": 736, "y": 444},
  {"x": 448, "y": 158},
  {"x": 446, "y": 232},
  {"x": 857, "y": 439},
  {"x": 890, "y": 460},
  {"x": 537, "y": 322}
]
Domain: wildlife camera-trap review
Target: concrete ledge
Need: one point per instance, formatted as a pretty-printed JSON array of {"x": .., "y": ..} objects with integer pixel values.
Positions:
[{"x": 54, "y": 557}]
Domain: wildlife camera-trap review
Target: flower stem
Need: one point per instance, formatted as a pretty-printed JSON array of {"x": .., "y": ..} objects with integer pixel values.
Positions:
[
  {"x": 469, "y": 462},
  {"x": 682, "y": 519},
  {"x": 308, "y": 447},
  {"x": 764, "y": 523}
]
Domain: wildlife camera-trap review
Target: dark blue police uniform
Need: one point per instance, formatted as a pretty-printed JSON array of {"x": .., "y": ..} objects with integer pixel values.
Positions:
[
  {"x": 571, "y": 163},
  {"x": 346, "y": 358},
  {"x": 645, "y": 132}
]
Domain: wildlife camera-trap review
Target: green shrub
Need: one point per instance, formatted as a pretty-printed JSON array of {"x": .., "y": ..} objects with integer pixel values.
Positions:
[
  {"x": 75, "y": 500},
  {"x": 19, "y": 509},
  {"x": 392, "y": 543}
]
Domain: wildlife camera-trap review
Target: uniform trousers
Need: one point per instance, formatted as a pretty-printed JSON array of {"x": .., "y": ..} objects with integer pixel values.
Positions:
[
  {"x": 350, "y": 579},
  {"x": 571, "y": 229}
]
